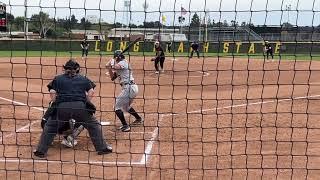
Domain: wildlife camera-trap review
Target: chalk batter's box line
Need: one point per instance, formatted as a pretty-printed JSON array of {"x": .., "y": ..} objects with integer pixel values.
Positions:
[{"x": 24, "y": 128}]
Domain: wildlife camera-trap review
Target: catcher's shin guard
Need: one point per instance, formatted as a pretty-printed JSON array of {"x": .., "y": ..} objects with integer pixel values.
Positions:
[
  {"x": 70, "y": 141},
  {"x": 76, "y": 128}
]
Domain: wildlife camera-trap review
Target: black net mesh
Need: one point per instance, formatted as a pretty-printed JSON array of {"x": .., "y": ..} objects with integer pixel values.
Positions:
[{"x": 236, "y": 98}]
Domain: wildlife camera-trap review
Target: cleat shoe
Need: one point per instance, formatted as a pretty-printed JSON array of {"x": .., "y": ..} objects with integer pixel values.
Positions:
[
  {"x": 125, "y": 128},
  {"x": 157, "y": 72},
  {"x": 107, "y": 150},
  {"x": 39, "y": 154},
  {"x": 138, "y": 121},
  {"x": 68, "y": 143}
]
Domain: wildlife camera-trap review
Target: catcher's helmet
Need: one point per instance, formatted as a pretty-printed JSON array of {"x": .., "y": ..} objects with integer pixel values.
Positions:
[
  {"x": 118, "y": 54},
  {"x": 72, "y": 65}
]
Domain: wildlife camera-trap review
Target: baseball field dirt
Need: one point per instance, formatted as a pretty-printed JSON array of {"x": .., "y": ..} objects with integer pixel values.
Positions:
[{"x": 207, "y": 118}]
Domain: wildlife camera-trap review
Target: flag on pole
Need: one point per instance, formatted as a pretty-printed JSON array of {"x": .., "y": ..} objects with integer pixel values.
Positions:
[
  {"x": 164, "y": 19},
  {"x": 183, "y": 11}
]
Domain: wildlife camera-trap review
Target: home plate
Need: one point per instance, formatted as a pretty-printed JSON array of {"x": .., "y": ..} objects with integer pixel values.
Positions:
[
  {"x": 104, "y": 123},
  {"x": 174, "y": 59}
]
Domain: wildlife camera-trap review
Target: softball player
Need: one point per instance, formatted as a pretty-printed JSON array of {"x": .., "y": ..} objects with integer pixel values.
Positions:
[
  {"x": 120, "y": 68},
  {"x": 85, "y": 48},
  {"x": 159, "y": 59},
  {"x": 195, "y": 48},
  {"x": 268, "y": 50}
]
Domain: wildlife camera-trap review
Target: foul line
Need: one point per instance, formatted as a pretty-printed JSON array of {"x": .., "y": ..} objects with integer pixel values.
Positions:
[
  {"x": 203, "y": 74},
  {"x": 24, "y": 127},
  {"x": 255, "y": 103},
  {"x": 148, "y": 149},
  {"x": 20, "y": 103},
  {"x": 16, "y": 160},
  {"x": 145, "y": 157}
]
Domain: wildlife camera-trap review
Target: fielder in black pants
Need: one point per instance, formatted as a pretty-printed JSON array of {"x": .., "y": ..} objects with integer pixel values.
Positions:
[
  {"x": 69, "y": 93},
  {"x": 169, "y": 45},
  {"x": 160, "y": 58},
  {"x": 195, "y": 48},
  {"x": 85, "y": 48},
  {"x": 268, "y": 49}
]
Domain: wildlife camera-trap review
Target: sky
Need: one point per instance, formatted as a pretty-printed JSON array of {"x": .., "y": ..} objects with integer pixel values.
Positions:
[{"x": 258, "y": 12}]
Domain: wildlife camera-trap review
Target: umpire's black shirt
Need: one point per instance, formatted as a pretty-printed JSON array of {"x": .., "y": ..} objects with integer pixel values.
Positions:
[{"x": 70, "y": 88}]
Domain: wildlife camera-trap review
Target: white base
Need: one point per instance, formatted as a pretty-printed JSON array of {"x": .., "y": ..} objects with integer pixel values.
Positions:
[{"x": 104, "y": 123}]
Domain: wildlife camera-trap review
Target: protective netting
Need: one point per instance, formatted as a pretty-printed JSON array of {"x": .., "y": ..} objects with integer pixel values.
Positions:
[{"x": 246, "y": 108}]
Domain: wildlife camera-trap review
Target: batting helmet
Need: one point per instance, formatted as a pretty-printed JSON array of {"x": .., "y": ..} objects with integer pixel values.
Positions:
[{"x": 118, "y": 54}]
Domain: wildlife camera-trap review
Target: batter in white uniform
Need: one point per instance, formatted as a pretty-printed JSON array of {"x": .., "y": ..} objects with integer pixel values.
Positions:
[{"x": 120, "y": 68}]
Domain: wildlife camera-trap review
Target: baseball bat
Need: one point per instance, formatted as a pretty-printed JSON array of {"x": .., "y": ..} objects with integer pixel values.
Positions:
[{"x": 131, "y": 44}]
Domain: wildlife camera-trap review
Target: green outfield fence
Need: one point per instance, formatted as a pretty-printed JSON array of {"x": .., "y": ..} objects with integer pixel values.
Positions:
[{"x": 179, "y": 47}]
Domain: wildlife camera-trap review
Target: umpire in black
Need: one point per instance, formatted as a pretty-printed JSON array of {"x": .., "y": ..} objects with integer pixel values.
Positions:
[{"x": 71, "y": 91}]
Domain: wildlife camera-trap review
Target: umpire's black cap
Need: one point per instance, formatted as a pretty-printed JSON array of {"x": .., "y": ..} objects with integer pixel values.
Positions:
[{"x": 71, "y": 65}]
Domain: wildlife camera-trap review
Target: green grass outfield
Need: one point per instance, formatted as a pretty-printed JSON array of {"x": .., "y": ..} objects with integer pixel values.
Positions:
[{"x": 78, "y": 53}]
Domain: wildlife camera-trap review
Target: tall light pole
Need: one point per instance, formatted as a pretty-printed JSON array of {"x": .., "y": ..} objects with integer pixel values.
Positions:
[
  {"x": 199, "y": 39},
  {"x": 25, "y": 19},
  {"x": 127, "y": 5},
  {"x": 206, "y": 17},
  {"x": 145, "y": 6},
  {"x": 288, "y": 9}
]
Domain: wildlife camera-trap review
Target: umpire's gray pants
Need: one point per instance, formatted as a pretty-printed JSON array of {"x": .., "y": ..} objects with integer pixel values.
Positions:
[{"x": 65, "y": 112}]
